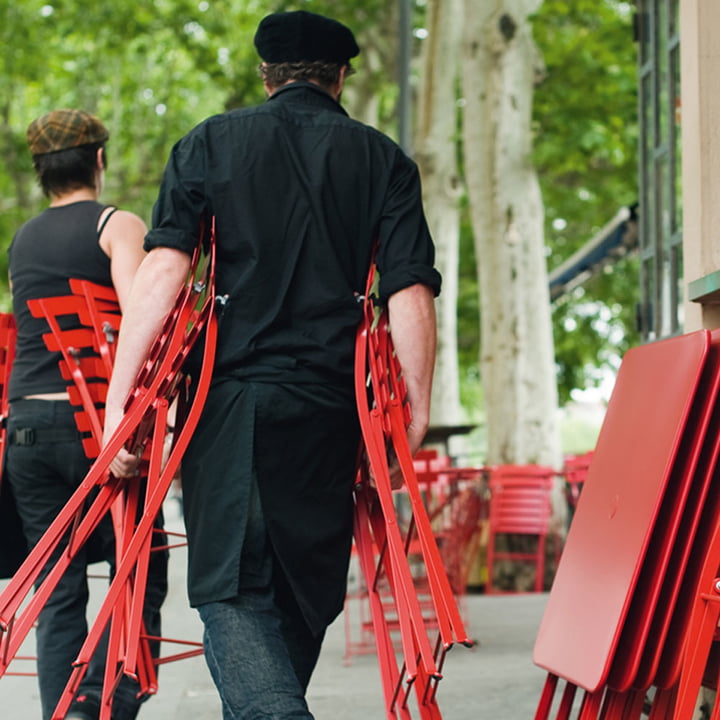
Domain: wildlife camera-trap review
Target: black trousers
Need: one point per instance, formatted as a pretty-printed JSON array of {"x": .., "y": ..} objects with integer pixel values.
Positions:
[{"x": 44, "y": 472}]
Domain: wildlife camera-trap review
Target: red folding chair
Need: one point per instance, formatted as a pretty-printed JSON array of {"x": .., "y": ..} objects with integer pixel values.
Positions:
[
  {"x": 13, "y": 547},
  {"x": 383, "y": 549},
  {"x": 8, "y": 334},
  {"x": 87, "y": 353},
  {"x": 575, "y": 470},
  {"x": 357, "y": 600},
  {"x": 520, "y": 510},
  {"x": 159, "y": 383}
]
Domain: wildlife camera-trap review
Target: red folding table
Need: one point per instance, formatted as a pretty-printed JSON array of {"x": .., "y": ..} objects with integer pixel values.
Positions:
[{"x": 623, "y": 621}]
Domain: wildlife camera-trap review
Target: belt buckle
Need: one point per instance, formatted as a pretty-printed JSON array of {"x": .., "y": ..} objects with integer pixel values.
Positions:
[{"x": 25, "y": 436}]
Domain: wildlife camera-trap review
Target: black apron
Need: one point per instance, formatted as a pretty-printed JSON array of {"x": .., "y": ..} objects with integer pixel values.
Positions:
[{"x": 301, "y": 442}]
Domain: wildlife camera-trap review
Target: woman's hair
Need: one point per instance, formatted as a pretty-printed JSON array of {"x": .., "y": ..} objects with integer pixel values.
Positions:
[
  {"x": 325, "y": 74},
  {"x": 67, "y": 170}
]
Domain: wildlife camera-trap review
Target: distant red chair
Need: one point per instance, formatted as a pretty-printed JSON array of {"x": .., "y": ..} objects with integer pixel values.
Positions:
[
  {"x": 575, "y": 470},
  {"x": 520, "y": 504},
  {"x": 434, "y": 485}
]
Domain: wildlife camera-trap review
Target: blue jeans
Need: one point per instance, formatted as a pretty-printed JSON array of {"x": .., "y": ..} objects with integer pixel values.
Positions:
[
  {"x": 43, "y": 476},
  {"x": 258, "y": 647}
]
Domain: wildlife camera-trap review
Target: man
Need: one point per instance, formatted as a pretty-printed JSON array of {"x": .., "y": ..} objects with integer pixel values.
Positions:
[
  {"x": 299, "y": 193},
  {"x": 75, "y": 237}
]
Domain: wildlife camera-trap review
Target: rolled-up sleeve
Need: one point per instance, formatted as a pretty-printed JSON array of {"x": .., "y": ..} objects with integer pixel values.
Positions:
[
  {"x": 406, "y": 254},
  {"x": 181, "y": 205}
]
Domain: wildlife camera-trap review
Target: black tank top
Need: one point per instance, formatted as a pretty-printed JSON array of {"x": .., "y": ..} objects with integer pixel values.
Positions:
[{"x": 59, "y": 244}]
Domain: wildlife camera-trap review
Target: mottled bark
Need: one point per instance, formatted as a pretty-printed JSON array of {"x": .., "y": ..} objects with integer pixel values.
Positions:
[
  {"x": 500, "y": 65},
  {"x": 435, "y": 145}
]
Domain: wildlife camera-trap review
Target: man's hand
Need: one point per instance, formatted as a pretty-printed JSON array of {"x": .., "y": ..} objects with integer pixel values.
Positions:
[
  {"x": 396, "y": 477},
  {"x": 415, "y": 435},
  {"x": 124, "y": 464}
]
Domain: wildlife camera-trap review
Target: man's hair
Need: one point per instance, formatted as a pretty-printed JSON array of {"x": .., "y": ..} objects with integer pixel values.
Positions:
[
  {"x": 67, "y": 170},
  {"x": 325, "y": 74}
]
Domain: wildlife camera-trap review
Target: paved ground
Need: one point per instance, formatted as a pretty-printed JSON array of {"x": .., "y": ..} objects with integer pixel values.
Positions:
[{"x": 494, "y": 681}]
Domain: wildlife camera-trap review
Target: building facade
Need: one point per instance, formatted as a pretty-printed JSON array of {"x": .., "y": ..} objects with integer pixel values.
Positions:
[
  {"x": 700, "y": 177},
  {"x": 679, "y": 108}
]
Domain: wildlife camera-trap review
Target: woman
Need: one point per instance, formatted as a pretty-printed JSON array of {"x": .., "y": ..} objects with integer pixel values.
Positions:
[{"x": 75, "y": 237}]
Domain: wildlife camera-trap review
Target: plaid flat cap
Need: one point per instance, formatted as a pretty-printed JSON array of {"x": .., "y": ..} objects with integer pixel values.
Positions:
[
  {"x": 64, "y": 129},
  {"x": 301, "y": 35}
]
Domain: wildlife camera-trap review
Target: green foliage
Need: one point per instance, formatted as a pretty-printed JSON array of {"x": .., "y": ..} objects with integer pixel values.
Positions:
[
  {"x": 585, "y": 112},
  {"x": 150, "y": 71},
  {"x": 153, "y": 70},
  {"x": 578, "y": 434}
]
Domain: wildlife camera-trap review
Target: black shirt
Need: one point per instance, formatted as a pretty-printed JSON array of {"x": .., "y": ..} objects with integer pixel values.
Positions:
[
  {"x": 299, "y": 191},
  {"x": 60, "y": 243}
]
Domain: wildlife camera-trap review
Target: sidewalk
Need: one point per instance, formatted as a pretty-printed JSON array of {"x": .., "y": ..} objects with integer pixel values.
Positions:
[{"x": 494, "y": 681}]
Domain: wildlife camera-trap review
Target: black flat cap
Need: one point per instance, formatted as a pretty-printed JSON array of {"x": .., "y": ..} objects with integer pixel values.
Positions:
[{"x": 302, "y": 35}]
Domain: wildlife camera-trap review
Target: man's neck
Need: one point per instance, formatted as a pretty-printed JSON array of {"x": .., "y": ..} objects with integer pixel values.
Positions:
[{"x": 333, "y": 92}]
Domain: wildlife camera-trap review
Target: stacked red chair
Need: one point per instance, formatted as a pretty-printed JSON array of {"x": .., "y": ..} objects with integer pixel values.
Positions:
[
  {"x": 382, "y": 548},
  {"x": 633, "y": 613},
  {"x": 87, "y": 360},
  {"x": 457, "y": 505}
]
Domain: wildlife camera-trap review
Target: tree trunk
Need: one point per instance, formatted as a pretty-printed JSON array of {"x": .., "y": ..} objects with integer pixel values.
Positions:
[
  {"x": 500, "y": 63},
  {"x": 436, "y": 143},
  {"x": 377, "y": 64}
]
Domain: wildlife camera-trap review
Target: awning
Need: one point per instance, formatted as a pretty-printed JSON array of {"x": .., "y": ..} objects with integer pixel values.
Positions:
[{"x": 614, "y": 240}]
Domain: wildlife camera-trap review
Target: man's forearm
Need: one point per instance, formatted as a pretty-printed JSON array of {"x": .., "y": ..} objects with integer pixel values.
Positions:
[
  {"x": 154, "y": 290},
  {"x": 413, "y": 326}
]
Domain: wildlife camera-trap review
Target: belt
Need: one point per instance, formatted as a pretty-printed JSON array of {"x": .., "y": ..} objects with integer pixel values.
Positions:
[{"x": 33, "y": 436}]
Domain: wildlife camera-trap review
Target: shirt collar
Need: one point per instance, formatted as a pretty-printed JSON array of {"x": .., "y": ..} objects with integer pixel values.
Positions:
[{"x": 308, "y": 93}]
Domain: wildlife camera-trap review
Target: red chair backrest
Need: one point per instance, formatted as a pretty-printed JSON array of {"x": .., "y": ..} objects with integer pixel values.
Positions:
[
  {"x": 87, "y": 352},
  {"x": 520, "y": 498},
  {"x": 576, "y": 467},
  {"x": 428, "y": 464}
]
